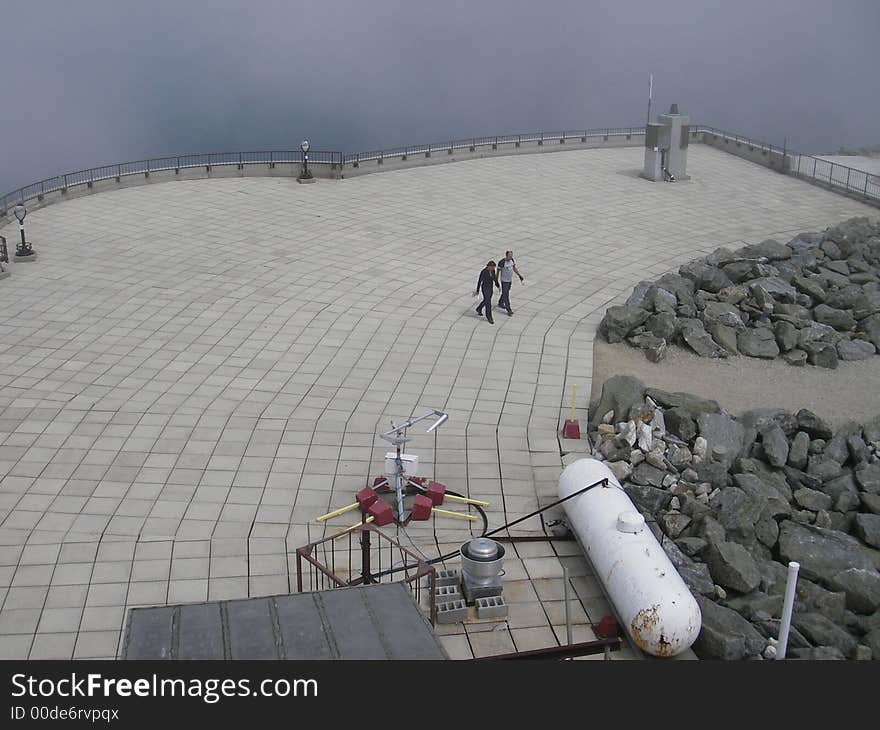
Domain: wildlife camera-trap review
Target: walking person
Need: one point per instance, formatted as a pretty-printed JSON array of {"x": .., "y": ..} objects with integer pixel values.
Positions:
[
  {"x": 507, "y": 268},
  {"x": 485, "y": 283}
]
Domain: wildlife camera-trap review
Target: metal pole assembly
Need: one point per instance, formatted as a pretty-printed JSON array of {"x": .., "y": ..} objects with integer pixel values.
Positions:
[{"x": 397, "y": 436}]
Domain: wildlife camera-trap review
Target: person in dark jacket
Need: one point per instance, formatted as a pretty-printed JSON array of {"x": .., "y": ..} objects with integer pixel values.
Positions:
[{"x": 485, "y": 283}]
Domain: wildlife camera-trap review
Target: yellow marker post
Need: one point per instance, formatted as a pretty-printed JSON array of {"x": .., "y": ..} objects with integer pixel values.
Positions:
[
  {"x": 337, "y": 512},
  {"x": 456, "y": 515},
  {"x": 465, "y": 500},
  {"x": 353, "y": 527},
  {"x": 574, "y": 390}
]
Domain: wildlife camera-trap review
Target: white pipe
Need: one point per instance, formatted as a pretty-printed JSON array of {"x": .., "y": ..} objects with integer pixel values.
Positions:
[{"x": 787, "y": 605}]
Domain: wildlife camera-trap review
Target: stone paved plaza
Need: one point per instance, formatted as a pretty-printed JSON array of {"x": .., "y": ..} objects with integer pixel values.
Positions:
[{"x": 192, "y": 371}]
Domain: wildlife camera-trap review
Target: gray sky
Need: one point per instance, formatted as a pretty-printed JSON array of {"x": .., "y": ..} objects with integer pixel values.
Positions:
[{"x": 92, "y": 82}]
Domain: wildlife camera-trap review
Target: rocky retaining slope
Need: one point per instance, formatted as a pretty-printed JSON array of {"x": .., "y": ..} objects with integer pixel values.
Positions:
[
  {"x": 734, "y": 499},
  {"x": 815, "y": 299}
]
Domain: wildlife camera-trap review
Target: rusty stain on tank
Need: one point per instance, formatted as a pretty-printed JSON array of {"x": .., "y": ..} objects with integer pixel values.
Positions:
[{"x": 643, "y": 625}]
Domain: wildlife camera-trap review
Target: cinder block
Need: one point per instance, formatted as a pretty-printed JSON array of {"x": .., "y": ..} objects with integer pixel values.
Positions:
[
  {"x": 448, "y": 577},
  {"x": 472, "y": 593},
  {"x": 451, "y": 612},
  {"x": 447, "y": 594},
  {"x": 491, "y": 607}
]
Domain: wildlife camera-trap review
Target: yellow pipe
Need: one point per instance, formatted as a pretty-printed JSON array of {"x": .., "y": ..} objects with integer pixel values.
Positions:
[
  {"x": 336, "y": 513},
  {"x": 465, "y": 500},
  {"x": 457, "y": 515},
  {"x": 353, "y": 527}
]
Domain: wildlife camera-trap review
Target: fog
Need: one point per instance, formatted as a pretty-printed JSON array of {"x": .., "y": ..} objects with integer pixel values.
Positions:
[{"x": 90, "y": 82}]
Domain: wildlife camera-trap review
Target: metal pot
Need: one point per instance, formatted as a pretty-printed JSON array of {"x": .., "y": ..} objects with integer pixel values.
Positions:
[{"x": 481, "y": 560}]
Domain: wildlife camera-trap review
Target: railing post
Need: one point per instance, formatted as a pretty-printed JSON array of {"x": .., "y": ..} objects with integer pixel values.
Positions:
[
  {"x": 848, "y": 173},
  {"x": 866, "y": 185}
]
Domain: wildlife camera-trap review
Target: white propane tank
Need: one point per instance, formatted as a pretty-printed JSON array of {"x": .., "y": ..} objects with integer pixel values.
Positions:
[{"x": 648, "y": 594}]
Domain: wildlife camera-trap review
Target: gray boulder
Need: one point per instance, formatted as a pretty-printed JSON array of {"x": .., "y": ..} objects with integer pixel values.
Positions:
[
  {"x": 619, "y": 394},
  {"x": 814, "y": 426},
  {"x": 843, "y": 491},
  {"x": 822, "y": 553},
  {"x": 695, "y": 575},
  {"x": 871, "y": 327},
  {"x": 840, "y": 319},
  {"x": 845, "y": 297},
  {"x": 866, "y": 304},
  {"x": 680, "y": 286},
  {"x": 812, "y": 499},
  {"x": 796, "y": 358},
  {"x": 810, "y": 287},
  {"x": 775, "y": 446},
  {"x": 673, "y": 523},
  {"x": 862, "y": 589},
  {"x": 774, "y": 287},
  {"x": 818, "y": 332},
  {"x": 693, "y": 404},
  {"x": 649, "y": 499},
  {"x": 722, "y": 313},
  {"x": 871, "y": 429},
  {"x": 868, "y": 478},
  {"x": 774, "y": 500},
  {"x": 837, "y": 447},
  {"x": 858, "y": 449},
  {"x": 662, "y": 324},
  {"x": 737, "y": 512},
  {"x": 817, "y": 653},
  {"x": 758, "y": 342},
  {"x": 821, "y": 354},
  {"x": 725, "y": 634},
  {"x": 870, "y": 502},
  {"x": 720, "y": 429},
  {"x": 733, "y": 567},
  {"x": 850, "y": 350},
  {"x": 786, "y": 335},
  {"x": 637, "y": 298},
  {"x": 680, "y": 424},
  {"x": 769, "y": 249},
  {"x": 822, "y": 632},
  {"x": 619, "y": 321},
  {"x": 797, "y": 453},
  {"x": 661, "y": 300},
  {"x": 754, "y": 604},
  {"x": 647, "y": 475},
  {"x": 700, "y": 341},
  {"x": 710, "y": 279},
  {"x": 725, "y": 336},
  {"x": 867, "y": 527}
]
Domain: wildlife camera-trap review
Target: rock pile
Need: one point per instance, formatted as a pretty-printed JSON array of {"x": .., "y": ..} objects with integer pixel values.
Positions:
[
  {"x": 815, "y": 299},
  {"x": 734, "y": 499}
]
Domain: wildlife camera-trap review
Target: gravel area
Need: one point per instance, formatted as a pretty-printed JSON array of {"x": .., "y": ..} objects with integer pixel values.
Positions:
[{"x": 851, "y": 392}]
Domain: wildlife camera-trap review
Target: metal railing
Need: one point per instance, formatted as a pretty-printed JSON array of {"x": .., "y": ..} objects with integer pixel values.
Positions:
[
  {"x": 176, "y": 163},
  {"x": 495, "y": 142},
  {"x": 833, "y": 174},
  {"x": 809, "y": 167},
  {"x": 332, "y": 563}
]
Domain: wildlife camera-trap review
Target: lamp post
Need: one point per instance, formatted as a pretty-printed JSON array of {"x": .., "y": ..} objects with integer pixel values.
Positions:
[
  {"x": 24, "y": 248},
  {"x": 306, "y": 175}
]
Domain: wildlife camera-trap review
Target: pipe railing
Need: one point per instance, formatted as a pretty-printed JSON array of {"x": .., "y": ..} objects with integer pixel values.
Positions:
[{"x": 833, "y": 174}]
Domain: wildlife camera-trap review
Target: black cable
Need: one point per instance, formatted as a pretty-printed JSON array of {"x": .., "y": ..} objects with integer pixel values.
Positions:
[{"x": 448, "y": 556}]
